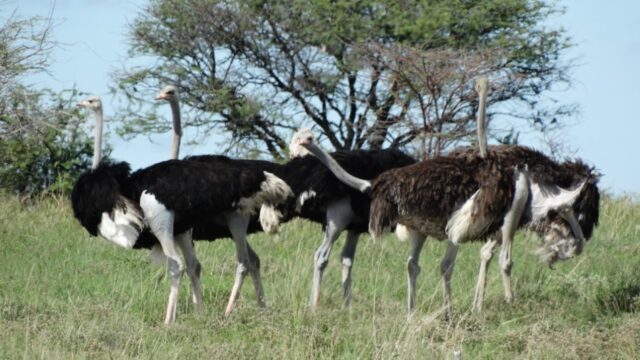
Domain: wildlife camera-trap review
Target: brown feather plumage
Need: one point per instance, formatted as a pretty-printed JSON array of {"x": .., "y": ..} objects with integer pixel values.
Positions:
[
  {"x": 542, "y": 169},
  {"x": 423, "y": 196}
]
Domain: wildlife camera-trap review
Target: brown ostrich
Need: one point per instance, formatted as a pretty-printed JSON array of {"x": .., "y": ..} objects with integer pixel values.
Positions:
[{"x": 470, "y": 197}]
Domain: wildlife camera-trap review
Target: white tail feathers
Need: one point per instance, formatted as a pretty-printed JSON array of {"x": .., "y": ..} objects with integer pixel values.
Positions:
[
  {"x": 465, "y": 224},
  {"x": 402, "y": 232},
  {"x": 270, "y": 218},
  {"x": 274, "y": 191},
  {"x": 123, "y": 225}
]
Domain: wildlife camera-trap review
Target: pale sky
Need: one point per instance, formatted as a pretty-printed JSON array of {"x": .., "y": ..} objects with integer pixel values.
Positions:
[{"x": 606, "y": 84}]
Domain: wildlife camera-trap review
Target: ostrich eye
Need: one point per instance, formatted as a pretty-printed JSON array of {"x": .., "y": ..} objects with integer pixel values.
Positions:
[
  {"x": 171, "y": 92},
  {"x": 90, "y": 101}
]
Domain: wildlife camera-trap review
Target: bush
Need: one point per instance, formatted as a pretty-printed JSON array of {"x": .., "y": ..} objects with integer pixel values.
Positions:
[{"x": 43, "y": 146}]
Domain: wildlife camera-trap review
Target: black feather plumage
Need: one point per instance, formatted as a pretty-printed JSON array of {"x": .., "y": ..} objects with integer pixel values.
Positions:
[
  {"x": 216, "y": 228},
  {"x": 97, "y": 191},
  {"x": 307, "y": 173},
  {"x": 198, "y": 193},
  {"x": 195, "y": 191}
]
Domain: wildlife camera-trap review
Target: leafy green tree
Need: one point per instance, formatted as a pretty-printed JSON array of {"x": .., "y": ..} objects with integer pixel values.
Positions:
[
  {"x": 256, "y": 69},
  {"x": 43, "y": 143}
]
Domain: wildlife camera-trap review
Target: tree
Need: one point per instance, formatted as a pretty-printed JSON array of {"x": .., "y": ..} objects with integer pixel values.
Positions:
[
  {"x": 257, "y": 69},
  {"x": 43, "y": 145},
  {"x": 439, "y": 102}
]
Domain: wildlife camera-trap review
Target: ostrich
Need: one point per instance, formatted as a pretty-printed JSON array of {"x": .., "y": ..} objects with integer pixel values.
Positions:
[
  {"x": 323, "y": 198},
  {"x": 546, "y": 176},
  {"x": 212, "y": 230},
  {"x": 164, "y": 201},
  {"x": 319, "y": 197},
  {"x": 462, "y": 199}
]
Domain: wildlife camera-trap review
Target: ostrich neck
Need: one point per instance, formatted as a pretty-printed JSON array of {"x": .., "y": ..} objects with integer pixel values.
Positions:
[
  {"x": 337, "y": 170},
  {"x": 482, "y": 87},
  {"x": 177, "y": 129},
  {"x": 97, "y": 143}
]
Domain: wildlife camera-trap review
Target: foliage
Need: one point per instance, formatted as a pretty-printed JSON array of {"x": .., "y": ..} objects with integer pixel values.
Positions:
[
  {"x": 43, "y": 145},
  {"x": 66, "y": 295},
  {"x": 25, "y": 46},
  {"x": 256, "y": 69}
]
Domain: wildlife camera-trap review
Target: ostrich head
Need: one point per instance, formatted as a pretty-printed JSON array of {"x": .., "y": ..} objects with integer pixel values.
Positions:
[
  {"x": 587, "y": 205},
  {"x": 562, "y": 217},
  {"x": 300, "y": 138},
  {"x": 304, "y": 143},
  {"x": 168, "y": 93},
  {"x": 92, "y": 102},
  {"x": 559, "y": 240}
]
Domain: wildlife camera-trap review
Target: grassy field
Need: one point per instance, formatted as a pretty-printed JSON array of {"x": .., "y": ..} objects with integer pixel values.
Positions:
[{"x": 66, "y": 295}]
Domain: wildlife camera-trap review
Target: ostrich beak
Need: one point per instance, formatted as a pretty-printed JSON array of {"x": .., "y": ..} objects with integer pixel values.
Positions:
[
  {"x": 161, "y": 96},
  {"x": 305, "y": 141}
]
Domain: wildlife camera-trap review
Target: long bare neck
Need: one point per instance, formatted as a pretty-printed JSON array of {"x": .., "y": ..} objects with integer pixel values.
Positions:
[
  {"x": 97, "y": 142},
  {"x": 482, "y": 87},
  {"x": 177, "y": 129},
  {"x": 337, "y": 170}
]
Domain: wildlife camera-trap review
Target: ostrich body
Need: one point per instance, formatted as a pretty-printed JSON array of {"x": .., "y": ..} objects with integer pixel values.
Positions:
[
  {"x": 466, "y": 198},
  {"x": 166, "y": 200},
  {"x": 545, "y": 175},
  {"x": 323, "y": 198},
  {"x": 318, "y": 196}
]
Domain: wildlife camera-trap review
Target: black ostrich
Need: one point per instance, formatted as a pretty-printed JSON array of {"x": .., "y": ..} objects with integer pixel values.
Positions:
[
  {"x": 164, "y": 201},
  {"x": 471, "y": 197},
  {"x": 319, "y": 197},
  {"x": 323, "y": 198},
  {"x": 213, "y": 229}
]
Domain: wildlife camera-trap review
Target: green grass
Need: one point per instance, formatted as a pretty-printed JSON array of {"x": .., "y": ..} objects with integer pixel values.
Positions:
[{"x": 66, "y": 295}]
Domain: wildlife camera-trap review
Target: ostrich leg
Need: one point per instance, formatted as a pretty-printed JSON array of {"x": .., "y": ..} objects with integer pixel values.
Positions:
[
  {"x": 161, "y": 222},
  {"x": 238, "y": 226},
  {"x": 348, "y": 254},
  {"x": 511, "y": 221},
  {"x": 486, "y": 254},
  {"x": 413, "y": 267},
  {"x": 338, "y": 217},
  {"x": 185, "y": 243},
  {"x": 446, "y": 268}
]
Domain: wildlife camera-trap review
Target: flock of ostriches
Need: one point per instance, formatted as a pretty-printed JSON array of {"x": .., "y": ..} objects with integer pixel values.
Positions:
[{"x": 470, "y": 194}]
